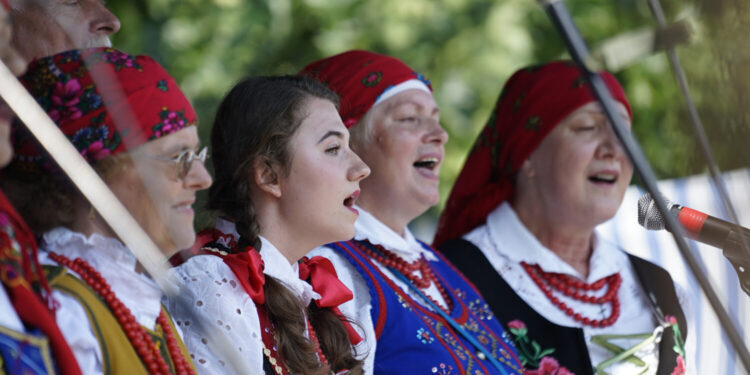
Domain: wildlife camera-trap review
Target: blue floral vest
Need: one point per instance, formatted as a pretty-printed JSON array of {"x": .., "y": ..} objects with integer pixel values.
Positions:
[
  {"x": 25, "y": 353},
  {"x": 414, "y": 340}
]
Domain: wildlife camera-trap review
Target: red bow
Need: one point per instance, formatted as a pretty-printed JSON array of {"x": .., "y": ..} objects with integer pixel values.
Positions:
[
  {"x": 324, "y": 280},
  {"x": 248, "y": 267}
]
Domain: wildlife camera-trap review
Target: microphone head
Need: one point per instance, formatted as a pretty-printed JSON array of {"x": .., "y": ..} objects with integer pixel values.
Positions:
[{"x": 649, "y": 216}]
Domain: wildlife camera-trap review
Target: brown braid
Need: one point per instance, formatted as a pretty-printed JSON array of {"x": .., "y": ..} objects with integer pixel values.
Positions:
[{"x": 257, "y": 119}]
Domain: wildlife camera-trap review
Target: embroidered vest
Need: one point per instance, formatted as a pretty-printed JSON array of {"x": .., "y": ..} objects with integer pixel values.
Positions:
[
  {"x": 413, "y": 339},
  {"x": 24, "y": 353},
  {"x": 569, "y": 343},
  {"x": 118, "y": 354},
  {"x": 22, "y": 279}
]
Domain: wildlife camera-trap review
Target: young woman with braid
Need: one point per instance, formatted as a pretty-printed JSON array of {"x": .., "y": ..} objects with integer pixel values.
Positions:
[{"x": 286, "y": 182}]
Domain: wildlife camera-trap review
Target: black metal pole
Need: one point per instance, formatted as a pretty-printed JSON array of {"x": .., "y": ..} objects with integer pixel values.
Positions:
[{"x": 559, "y": 15}]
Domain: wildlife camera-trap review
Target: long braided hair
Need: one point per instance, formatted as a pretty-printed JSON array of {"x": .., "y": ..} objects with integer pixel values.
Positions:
[{"x": 256, "y": 119}]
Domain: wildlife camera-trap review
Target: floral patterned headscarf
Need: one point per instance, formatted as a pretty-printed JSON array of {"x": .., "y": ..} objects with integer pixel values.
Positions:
[
  {"x": 533, "y": 101},
  {"x": 360, "y": 78},
  {"x": 105, "y": 101}
]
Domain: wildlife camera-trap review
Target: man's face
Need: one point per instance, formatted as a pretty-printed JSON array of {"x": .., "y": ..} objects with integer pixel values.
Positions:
[{"x": 46, "y": 27}]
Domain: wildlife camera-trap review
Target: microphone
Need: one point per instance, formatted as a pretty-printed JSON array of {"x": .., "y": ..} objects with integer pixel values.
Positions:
[
  {"x": 620, "y": 51},
  {"x": 730, "y": 238},
  {"x": 698, "y": 225}
]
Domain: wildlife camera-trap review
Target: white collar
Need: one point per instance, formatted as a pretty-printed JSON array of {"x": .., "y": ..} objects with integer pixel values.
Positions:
[
  {"x": 368, "y": 227},
  {"x": 116, "y": 264},
  {"x": 276, "y": 264},
  {"x": 278, "y": 267},
  {"x": 507, "y": 232}
]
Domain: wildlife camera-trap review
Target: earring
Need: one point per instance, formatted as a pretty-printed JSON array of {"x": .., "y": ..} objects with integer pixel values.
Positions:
[{"x": 92, "y": 213}]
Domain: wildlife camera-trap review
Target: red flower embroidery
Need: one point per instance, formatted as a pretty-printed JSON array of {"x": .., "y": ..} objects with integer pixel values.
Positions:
[
  {"x": 516, "y": 324},
  {"x": 549, "y": 366}
]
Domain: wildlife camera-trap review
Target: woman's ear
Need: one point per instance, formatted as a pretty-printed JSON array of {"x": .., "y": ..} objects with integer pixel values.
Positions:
[
  {"x": 527, "y": 169},
  {"x": 266, "y": 176}
]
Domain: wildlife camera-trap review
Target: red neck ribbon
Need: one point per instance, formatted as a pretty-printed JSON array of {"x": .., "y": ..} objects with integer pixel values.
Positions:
[{"x": 324, "y": 280}]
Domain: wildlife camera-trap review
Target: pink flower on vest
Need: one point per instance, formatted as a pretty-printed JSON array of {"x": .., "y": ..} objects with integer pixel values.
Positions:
[
  {"x": 549, "y": 366},
  {"x": 516, "y": 324},
  {"x": 680, "y": 368}
]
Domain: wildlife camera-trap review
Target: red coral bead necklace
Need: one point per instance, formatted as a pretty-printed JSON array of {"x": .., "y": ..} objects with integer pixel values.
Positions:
[
  {"x": 576, "y": 289},
  {"x": 391, "y": 260},
  {"x": 139, "y": 338}
]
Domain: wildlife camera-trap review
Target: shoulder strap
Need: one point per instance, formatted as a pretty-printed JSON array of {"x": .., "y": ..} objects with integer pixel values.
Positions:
[{"x": 660, "y": 291}]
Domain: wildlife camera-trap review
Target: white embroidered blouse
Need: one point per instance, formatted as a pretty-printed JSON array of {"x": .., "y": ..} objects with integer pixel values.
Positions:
[
  {"x": 506, "y": 242},
  {"x": 118, "y": 266},
  {"x": 219, "y": 320}
]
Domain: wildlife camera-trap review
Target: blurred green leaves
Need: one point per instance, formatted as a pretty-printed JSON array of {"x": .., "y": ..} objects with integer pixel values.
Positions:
[{"x": 468, "y": 48}]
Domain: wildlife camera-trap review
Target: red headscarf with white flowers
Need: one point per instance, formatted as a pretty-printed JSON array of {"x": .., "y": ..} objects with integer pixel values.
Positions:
[
  {"x": 105, "y": 101},
  {"x": 533, "y": 101}
]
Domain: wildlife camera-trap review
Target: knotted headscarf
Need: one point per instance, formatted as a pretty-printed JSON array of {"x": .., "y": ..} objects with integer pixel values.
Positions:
[
  {"x": 105, "y": 101},
  {"x": 533, "y": 101},
  {"x": 360, "y": 78}
]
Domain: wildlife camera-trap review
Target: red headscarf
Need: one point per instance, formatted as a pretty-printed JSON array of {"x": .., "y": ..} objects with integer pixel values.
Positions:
[
  {"x": 534, "y": 100},
  {"x": 359, "y": 78},
  {"x": 104, "y": 100}
]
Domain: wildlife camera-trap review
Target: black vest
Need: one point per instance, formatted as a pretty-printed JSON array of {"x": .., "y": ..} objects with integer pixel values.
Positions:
[{"x": 569, "y": 343}]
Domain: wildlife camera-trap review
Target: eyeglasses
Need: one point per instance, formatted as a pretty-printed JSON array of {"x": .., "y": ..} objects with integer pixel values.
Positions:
[{"x": 184, "y": 160}]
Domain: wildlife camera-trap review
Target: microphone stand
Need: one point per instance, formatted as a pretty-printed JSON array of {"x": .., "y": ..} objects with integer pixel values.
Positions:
[
  {"x": 559, "y": 15},
  {"x": 739, "y": 252}
]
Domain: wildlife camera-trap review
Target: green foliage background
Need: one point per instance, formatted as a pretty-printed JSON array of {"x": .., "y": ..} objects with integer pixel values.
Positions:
[{"x": 468, "y": 48}]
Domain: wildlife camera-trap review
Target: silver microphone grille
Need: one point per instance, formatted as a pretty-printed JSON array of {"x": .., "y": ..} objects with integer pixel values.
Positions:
[{"x": 648, "y": 214}]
